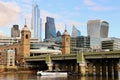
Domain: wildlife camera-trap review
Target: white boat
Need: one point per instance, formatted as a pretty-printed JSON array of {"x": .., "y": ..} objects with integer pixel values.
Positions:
[{"x": 52, "y": 73}]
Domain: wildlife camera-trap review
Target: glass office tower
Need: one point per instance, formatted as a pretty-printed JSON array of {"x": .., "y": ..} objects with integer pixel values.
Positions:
[
  {"x": 97, "y": 28},
  {"x": 36, "y": 22},
  {"x": 75, "y": 32},
  {"x": 50, "y": 30}
]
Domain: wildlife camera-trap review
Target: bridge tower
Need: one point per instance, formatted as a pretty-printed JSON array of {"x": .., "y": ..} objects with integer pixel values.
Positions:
[
  {"x": 65, "y": 43},
  {"x": 25, "y": 41}
]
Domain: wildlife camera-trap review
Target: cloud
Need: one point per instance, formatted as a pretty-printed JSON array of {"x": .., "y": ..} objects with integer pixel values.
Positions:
[
  {"x": 45, "y": 13},
  {"x": 75, "y": 23},
  {"x": 101, "y": 8},
  {"x": 96, "y": 6},
  {"x": 60, "y": 26},
  {"x": 9, "y": 13},
  {"x": 2, "y": 34},
  {"x": 89, "y": 2},
  {"x": 68, "y": 23}
]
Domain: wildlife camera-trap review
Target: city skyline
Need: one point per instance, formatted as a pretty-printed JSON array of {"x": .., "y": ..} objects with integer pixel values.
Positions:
[{"x": 71, "y": 13}]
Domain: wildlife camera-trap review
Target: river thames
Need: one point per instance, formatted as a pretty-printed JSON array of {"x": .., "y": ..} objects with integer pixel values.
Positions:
[{"x": 29, "y": 76}]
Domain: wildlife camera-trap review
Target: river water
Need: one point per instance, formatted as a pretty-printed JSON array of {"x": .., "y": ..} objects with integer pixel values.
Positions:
[{"x": 29, "y": 76}]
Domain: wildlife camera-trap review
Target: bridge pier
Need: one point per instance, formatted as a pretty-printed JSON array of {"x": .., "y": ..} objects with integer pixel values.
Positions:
[
  {"x": 97, "y": 69},
  {"x": 82, "y": 69},
  {"x": 50, "y": 66},
  {"x": 90, "y": 69},
  {"x": 115, "y": 69},
  {"x": 64, "y": 67},
  {"x": 72, "y": 68},
  {"x": 104, "y": 70},
  {"x": 69, "y": 67},
  {"x": 110, "y": 69},
  {"x": 57, "y": 67},
  {"x": 76, "y": 68}
]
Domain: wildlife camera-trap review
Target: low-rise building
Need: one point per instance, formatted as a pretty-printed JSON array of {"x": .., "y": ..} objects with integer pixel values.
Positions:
[
  {"x": 110, "y": 44},
  {"x": 80, "y": 44}
]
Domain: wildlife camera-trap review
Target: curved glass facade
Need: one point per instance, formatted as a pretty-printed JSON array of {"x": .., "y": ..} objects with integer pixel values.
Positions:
[
  {"x": 97, "y": 28},
  {"x": 75, "y": 32}
]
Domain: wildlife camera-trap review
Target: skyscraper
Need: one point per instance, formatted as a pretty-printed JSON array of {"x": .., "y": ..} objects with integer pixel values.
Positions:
[
  {"x": 50, "y": 30},
  {"x": 97, "y": 28},
  {"x": 75, "y": 32},
  {"x": 36, "y": 27},
  {"x": 15, "y": 31}
]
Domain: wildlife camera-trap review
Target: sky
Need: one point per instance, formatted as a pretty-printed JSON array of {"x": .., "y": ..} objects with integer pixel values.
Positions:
[{"x": 65, "y": 12}]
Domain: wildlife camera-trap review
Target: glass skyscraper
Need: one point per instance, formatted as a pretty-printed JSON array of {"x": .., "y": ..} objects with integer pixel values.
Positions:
[
  {"x": 97, "y": 28},
  {"x": 50, "y": 30},
  {"x": 36, "y": 22},
  {"x": 75, "y": 32}
]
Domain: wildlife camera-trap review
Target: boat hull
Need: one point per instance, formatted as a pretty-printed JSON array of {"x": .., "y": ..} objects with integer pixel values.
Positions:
[{"x": 52, "y": 73}]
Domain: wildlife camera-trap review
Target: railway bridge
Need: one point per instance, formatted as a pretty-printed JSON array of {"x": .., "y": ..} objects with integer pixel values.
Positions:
[{"x": 98, "y": 63}]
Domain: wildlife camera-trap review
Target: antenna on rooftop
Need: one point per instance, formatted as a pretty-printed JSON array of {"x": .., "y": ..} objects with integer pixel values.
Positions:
[
  {"x": 65, "y": 27},
  {"x": 25, "y": 21}
]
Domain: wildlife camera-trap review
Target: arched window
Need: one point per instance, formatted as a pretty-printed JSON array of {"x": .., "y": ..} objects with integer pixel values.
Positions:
[{"x": 26, "y": 36}]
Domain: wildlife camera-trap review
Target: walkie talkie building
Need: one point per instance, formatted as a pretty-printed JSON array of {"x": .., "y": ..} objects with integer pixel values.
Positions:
[{"x": 97, "y": 28}]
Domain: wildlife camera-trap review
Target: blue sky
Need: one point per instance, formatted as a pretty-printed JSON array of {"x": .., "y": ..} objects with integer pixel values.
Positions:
[{"x": 69, "y": 12}]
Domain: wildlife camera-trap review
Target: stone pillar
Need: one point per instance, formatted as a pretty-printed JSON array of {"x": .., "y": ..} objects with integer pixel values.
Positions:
[
  {"x": 49, "y": 62},
  {"x": 69, "y": 67},
  {"x": 90, "y": 69},
  {"x": 63, "y": 67},
  {"x": 97, "y": 69},
  {"x": 82, "y": 78},
  {"x": 115, "y": 69},
  {"x": 82, "y": 67},
  {"x": 72, "y": 68},
  {"x": 110, "y": 69},
  {"x": 76, "y": 68},
  {"x": 104, "y": 69},
  {"x": 50, "y": 66},
  {"x": 57, "y": 67}
]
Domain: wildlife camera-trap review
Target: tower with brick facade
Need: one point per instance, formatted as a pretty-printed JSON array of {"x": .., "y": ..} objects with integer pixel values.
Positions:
[
  {"x": 25, "y": 41},
  {"x": 65, "y": 43}
]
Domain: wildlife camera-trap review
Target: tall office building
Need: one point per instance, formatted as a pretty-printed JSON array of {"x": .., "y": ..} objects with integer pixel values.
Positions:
[
  {"x": 97, "y": 28},
  {"x": 15, "y": 31},
  {"x": 36, "y": 28},
  {"x": 50, "y": 30},
  {"x": 75, "y": 32}
]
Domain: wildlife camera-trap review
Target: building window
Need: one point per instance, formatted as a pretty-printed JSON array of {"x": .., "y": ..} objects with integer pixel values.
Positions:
[{"x": 26, "y": 36}]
